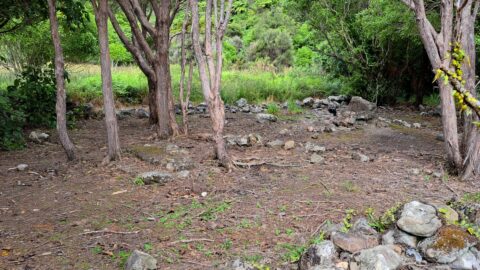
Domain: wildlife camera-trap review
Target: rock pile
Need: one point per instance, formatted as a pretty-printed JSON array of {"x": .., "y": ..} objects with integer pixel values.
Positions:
[{"x": 420, "y": 237}]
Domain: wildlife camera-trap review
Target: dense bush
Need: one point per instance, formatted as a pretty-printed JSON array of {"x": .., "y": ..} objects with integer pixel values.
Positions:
[{"x": 11, "y": 124}]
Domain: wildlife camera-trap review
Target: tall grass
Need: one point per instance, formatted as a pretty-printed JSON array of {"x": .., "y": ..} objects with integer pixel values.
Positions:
[{"x": 130, "y": 85}]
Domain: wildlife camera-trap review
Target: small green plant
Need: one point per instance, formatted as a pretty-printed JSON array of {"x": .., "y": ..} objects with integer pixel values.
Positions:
[
  {"x": 432, "y": 100},
  {"x": 211, "y": 213},
  {"x": 282, "y": 208},
  {"x": 471, "y": 197},
  {"x": 138, "y": 181},
  {"x": 293, "y": 253},
  {"x": 350, "y": 186},
  {"x": 122, "y": 257},
  {"x": 293, "y": 108},
  {"x": 272, "y": 108},
  {"x": 383, "y": 222},
  {"x": 277, "y": 232},
  {"x": 245, "y": 224},
  {"x": 289, "y": 231},
  {"x": 147, "y": 247},
  {"x": 97, "y": 250},
  {"x": 227, "y": 244},
  {"x": 349, "y": 214}
]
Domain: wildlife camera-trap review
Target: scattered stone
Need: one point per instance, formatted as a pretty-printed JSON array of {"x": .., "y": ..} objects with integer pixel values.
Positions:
[
  {"x": 387, "y": 238},
  {"x": 275, "y": 144},
  {"x": 411, "y": 252},
  {"x": 467, "y": 261},
  {"x": 358, "y": 104},
  {"x": 402, "y": 123},
  {"x": 440, "y": 137},
  {"x": 447, "y": 213},
  {"x": 314, "y": 148},
  {"x": 379, "y": 258},
  {"x": 289, "y": 145},
  {"x": 353, "y": 241},
  {"x": 38, "y": 137},
  {"x": 321, "y": 254},
  {"x": 415, "y": 171},
  {"x": 183, "y": 174},
  {"x": 437, "y": 174},
  {"x": 265, "y": 117},
  {"x": 241, "y": 103},
  {"x": 317, "y": 159},
  {"x": 361, "y": 226},
  {"x": 329, "y": 228},
  {"x": 447, "y": 245},
  {"x": 155, "y": 177},
  {"x": 284, "y": 132},
  {"x": 142, "y": 113},
  {"x": 330, "y": 129},
  {"x": 141, "y": 261},
  {"x": 338, "y": 99},
  {"x": 360, "y": 157},
  {"x": 417, "y": 125},
  {"x": 404, "y": 238},
  {"x": 241, "y": 265},
  {"x": 180, "y": 164},
  {"x": 308, "y": 102},
  {"x": 419, "y": 219},
  {"x": 342, "y": 265},
  {"x": 21, "y": 167}
]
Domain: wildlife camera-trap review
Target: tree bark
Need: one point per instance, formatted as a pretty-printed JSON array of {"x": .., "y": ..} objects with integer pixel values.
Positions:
[
  {"x": 152, "y": 102},
  {"x": 101, "y": 12},
  {"x": 61, "y": 108}
]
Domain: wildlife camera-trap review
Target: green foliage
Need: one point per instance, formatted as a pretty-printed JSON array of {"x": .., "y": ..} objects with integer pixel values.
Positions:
[
  {"x": 349, "y": 214},
  {"x": 432, "y": 100},
  {"x": 138, "y": 181},
  {"x": 272, "y": 108},
  {"x": 11, "y": 124},
  {"x": 381, "y": 223},
  {"x": 34, "y": 94},
  {"x": 293, "y": 107},
  {"x": 471, "y": 197}
]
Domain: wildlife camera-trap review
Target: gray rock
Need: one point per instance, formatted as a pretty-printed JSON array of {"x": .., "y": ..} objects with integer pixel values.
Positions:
[
  {"x": 21, "y": 167},
  {"x": 155, "y": 177},
  {"x": 417, "y": 125},
  {"x": 404, "y": 238},
  {"x": 317, "y": 159},
  {"x": 321, "y": 254},
  {"x": 419, "y": 219},
  {"x": 411, "y": 252},
  {"x": 141, "y": 261},
  {"x": 265, "y": 117},
  {"x": 256, "y": 109},
  {"x": 467, "y": 261},
  {"x": 314, "y": 148},
  {"x": 180, "y": 164},
  {"x": 447, "y": 245},
  {"x": 141, "y": 113},
  {"x": 360, "y": 157},
  {"x": 379, "y": 258},
  {"x": 440, "y": 137},
  {"x": 358, "y": 104},
  {"x": 361, "y": 226},
  {"x": 275, "y": 144},
  {"x": 308, "y": 102},
  {"x": 243, "y": 141},
  {"x": 183, "y": 174},
  {"x": 354, "y": 242},
  {"x": 289, "y": 145},
  {"x": 38, "y": 137},
  {"x": 328, "y": 228},
  {"x": 387, "y": 238},
  {"x": 338, "y": 99},
  {"x": 238, "y": 264},
  {"x": 241, "y": 103}
]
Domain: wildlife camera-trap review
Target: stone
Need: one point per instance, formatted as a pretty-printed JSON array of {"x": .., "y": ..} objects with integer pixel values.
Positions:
[
  {"x": 241, "y": 103},
  {"x": 342, "y": 265},
  {"x": 266, "y": 117},
  {"x": 155, "y": 177},
  {"x": 21, "y": 167},
  {"x": 358, "y": 104},
  {"x": 450, "y": 243},
  {"x": 330, "y": 129},
  {"x": 417, "y": 125},
  {"x": 284, "y": 132},
  {"x": 411, "y": 252},
  {"x": 238, "y": 264},
  {"x": 141, "y": 261},
  {"x": 314, "y": 148},
  {"x": 321, "y": 254},
  {"x": 361, "y": 226},
  {"x": 404, "y": 238},
  {"x": 38, "y": 137},
  {"x": 317, "y": 159},
  {"x": 289, "y": 145},
  {"x": 415, "y": 171},
  {"x": 308, "y": 102},
  {"x": 437, "y": 174},
  {"x": 339, "y": 99},
  {"x": 275, "y": 144},
  {"x": 447, "y": 213},
  {"x": 180, "y": 164},
  {"x": 183, "y": 174},
  {"x": 419, "y": 219},
  {"x": 254, "y": 139},
  {"x": 379, "y": 258},
  {"x": 360, "y": 157},
  {"x": 354, "y": 242},
  {"x": 467, "y": 261},
  {"x": 387, "y": 238},
  {"x": 328, "y": 228},
  {"x": 142, "y": 113},
  {"x": 243, "y": 141}
]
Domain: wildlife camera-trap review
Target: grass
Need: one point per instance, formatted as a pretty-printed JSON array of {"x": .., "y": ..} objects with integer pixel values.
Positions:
[{"x": 130, "y": 85}]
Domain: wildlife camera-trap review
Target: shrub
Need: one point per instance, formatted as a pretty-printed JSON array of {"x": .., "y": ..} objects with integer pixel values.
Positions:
[
  {"x": 11, "y": 123},
  {"x": 293, "y": 108},
  {"x": 272, "y": 108}
]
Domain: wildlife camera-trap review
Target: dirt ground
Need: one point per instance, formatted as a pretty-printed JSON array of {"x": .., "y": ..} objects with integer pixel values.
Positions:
[{"x": 51, "y": 214}]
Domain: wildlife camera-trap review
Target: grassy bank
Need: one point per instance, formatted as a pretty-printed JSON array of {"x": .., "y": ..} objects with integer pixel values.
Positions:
[{"x": 130, "y": 85}]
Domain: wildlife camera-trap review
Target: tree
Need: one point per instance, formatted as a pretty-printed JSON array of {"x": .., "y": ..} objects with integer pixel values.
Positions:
[
  {"x": 100, "y": 9},
  {"x": 152, "y": 57},
  {"x": 211, "y": 72},
  {"x": 456, "y": 27},
  {"x": 15, "y": 14},
  {"x": 60, "y": 81},
  {"x": 185, "y": 97}
]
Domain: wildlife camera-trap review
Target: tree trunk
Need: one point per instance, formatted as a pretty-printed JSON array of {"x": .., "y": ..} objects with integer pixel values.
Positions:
[
  {"x": 61, "y": 108},
  {"x": 108, "y": 101},
  {"x": 152, "y": 102}
]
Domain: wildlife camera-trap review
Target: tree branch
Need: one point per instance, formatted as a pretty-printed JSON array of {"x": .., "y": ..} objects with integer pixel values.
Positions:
[{"x": 142, "y": 17}]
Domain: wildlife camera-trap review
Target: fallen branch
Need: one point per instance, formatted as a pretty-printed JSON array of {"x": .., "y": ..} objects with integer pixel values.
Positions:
[
  {"x": 189, "y": 241},
  {"x": 108, "y": 231},
  {"x": 262, "y": 162}
]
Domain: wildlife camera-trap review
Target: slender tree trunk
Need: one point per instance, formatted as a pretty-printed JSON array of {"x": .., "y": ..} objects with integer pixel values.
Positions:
[
  {"x": 101, "y": 13},
  {"x": 152, "y": 102},
  {"x": 61, "y": 108}
]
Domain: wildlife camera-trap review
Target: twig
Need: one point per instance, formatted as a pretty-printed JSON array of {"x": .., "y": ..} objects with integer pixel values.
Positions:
[
  {"x": 189, "y": 241},
  {"x": 108, "y": 231},
  {"x": 197, "y": 263},
  {"x": 263, "y": 162}
]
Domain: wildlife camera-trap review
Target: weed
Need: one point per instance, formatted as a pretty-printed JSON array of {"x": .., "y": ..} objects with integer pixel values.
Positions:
[
  {"x": 147, "y": 247},
  {"x": 471, "y": 197},
  {"x": 272, "y": 108},
  {"x": 282, "y": 208},
  {"x": 293, "y": 253},
  {"x": 293, "y": 108},
  {"x": 349, "y": 214},
  {"x": 289, "y": 232},
  {"x": 245, "y": 224},
  {"x": 211, "y": 213},
  {"x": 122, "y": 257},
  {"x": 383, "y": 222},
  {"x": 138, "y": 181},
  {"x": 227, "y": 244},
  {"x": 350, "y": 186},
  {"x": 97, "y": 250}
]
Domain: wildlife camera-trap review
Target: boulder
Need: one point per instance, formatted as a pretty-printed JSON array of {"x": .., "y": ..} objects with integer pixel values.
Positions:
[
  {"x": 419, "y": 219},
  {"x": 141, "y": 261},
  {"x": 265, "y": 117},
  {"x": 317, "y": 159},
  {"x": 449, "y": 244},
  {"x": 358, "y": 104},
  {"x": 321, "y": 254},
  {"x": 142, "y": 113},
  {"x": 404, "y": 238},
  {"x": 38, "y": 137},
  {"x": 354, "y": 241},
  {"x": 289, "y": 145},
  {"x": 155, "y": 177},
  {"x": 308, "y": 102},
  {"x": 360, "y": 157},
  {"x": 241, "y": 103},
  {"x": 275, "y": 144},
  {"x": 362, "y": 226},
  {"x": 468, "y": 261},
  {"x": 314, "y": 148},
  {"x": 379, "y": 258}
]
